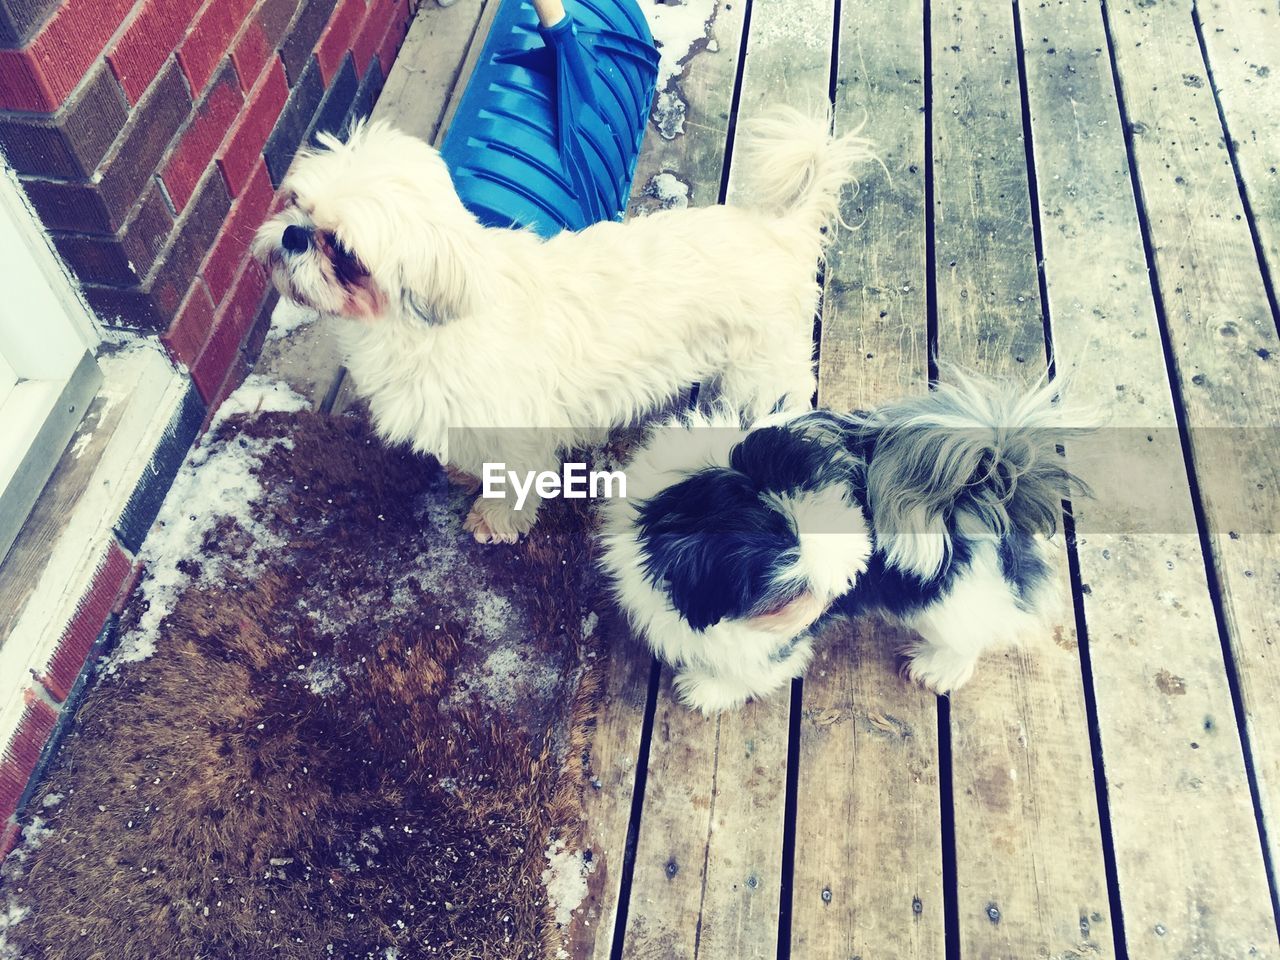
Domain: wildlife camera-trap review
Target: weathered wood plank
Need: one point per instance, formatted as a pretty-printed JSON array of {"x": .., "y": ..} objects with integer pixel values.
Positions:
[
  {"x": 709, "y": 858},
  {"x": 691, "y": 153},
  {"x": 1176, "y": 784},
  {"x": 1029, "y": 860},
  {"x": 613, "y": 762},
  {"x": 1242, "y": 41},
  {"x": 734, "y": 767},
  {"x": 1222, "y": 337},
  {"x": 433, "y": 66},
  {"x": 708, "y": 861},
  {"x": 689, "y": 126},
  {"x": 868, "y": 861}
]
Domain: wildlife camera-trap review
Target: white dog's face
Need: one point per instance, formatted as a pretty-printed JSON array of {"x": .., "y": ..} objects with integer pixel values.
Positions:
[{"x": 365, "y": 223}]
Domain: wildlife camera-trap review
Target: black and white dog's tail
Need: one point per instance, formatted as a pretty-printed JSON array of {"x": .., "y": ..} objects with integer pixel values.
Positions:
[{"x": 974, "y": 456}]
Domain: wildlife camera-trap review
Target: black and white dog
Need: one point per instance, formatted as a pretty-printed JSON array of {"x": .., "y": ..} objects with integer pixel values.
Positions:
[{"x": 733, "y": 545}]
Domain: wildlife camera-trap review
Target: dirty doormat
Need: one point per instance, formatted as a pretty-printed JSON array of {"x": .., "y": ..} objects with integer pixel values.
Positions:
[{"x": 334, "y": 726}]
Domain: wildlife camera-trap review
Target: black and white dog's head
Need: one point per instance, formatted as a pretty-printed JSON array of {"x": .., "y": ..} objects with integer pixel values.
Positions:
[{"x": 769, "y": 538}]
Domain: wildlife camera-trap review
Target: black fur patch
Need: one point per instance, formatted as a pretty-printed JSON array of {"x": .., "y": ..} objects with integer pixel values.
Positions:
[
  {"x": 783, "y": 460},
  {"x": 713, "y": 545},
  {"x": 1021, "y": 563},
  {"x": 889, "y": 589}
]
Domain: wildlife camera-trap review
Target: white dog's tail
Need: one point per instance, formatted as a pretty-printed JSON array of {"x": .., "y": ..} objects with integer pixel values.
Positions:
[{"x": 795, "y": 166}]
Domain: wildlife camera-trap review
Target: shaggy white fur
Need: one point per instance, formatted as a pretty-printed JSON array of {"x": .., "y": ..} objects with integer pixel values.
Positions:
[
  {"x": 479, "y": 345},
  {"x": 727, "y": 664}
]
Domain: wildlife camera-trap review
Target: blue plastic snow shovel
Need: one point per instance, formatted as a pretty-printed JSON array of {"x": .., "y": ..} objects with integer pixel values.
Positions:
[{"x": 547, "y": 133}]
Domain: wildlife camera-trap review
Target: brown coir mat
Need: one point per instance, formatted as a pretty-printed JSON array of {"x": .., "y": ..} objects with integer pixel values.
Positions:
[{"x": 336, "y": 727}]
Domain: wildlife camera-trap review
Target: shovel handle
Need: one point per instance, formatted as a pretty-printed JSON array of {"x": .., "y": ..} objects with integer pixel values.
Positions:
[{"x": 550, "y": 12}]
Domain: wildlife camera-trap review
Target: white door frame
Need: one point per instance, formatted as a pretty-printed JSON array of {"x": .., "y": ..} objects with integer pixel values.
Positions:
[{"x": 47, "y": 340}]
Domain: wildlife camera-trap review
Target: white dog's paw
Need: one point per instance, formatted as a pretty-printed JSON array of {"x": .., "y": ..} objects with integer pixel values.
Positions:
[
  {"x": 490, "y": 521},
  {"x": 937, "y": 668},
  {"x": 713, "y": 693}
]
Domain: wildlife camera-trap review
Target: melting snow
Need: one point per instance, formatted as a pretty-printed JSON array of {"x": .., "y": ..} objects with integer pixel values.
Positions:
[
  {"x": 11, "y": 911},
  {"x": 215, "y": 481},
  {"x": 669, "y": 190},
  {"x": 565, "y": 879},
  {"x": 510, "y": 674},
  {"x": 676, "y": 27},
  {"x": 288, "y": 317}
]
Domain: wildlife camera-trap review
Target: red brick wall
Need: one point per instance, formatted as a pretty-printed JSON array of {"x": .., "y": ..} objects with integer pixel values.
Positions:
[{"x": 151, "y": 136}]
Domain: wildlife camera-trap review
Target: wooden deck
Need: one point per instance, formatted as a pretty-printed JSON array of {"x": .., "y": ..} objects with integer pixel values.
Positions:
[{"x": 1090, "y": 182}]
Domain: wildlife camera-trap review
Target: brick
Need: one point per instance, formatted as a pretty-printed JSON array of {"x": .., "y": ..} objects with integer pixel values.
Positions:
[
  {"x": 391, "y": 40},
  {"x": 260, "y": 38},
  {"x": 367, "y": 95},
  {"x": 336, "y": 106},
  {"x": 261, "y": 325},
  {"x": 302, "y": 35},
  {"x": 250, "y": 54},
  {"x": 10, "y": 834},
  {"x": 20, "y": 757},
  {"x": 86, "y": 623},
  {"x": 209, "y": 39},
  {"x": 232, "y": 246},
  {"x": 295, "y": 119},
  {"x": 126, "y": 258},
  {"x": 102, "y": 207},
  {"x": 156, "y": 302},
  {"x": 70, "y": 144},
  {"x": 369, "y": 37},
  {"x": 274, "y": 16},
  {"x": 148, "y": 40},
  {"x": 246, "y": 358},
  {"x": 191, "y": 327},
  {"x": 194, "y": 151},
  {"x": 231, "y": 326},
  {"x": 19, "y": 20},
  {"x": 39, "y": 76},
  {"x": 239, "y": 155},
  {"x": 338, "y": 36}
]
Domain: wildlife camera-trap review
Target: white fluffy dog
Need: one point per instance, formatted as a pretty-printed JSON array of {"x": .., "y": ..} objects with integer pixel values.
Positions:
[{"x": 480, "y": 345}]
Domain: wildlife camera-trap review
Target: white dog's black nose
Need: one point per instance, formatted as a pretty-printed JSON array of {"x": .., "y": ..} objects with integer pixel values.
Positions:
[{"x": 296, "y": 238}]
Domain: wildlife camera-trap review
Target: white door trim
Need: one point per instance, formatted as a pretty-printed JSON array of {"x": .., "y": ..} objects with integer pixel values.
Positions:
[{"x": 47, "y": 339}]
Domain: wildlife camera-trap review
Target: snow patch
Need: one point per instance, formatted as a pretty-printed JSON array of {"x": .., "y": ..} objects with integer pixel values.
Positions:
[
  {"x": 259, "y": 394},
  {"x": 668, "y": 114},
  {"x": 669, "y": 190},
  {"x": 676, "y": 27},
  {"x": 288, "y": 317},
  {"x": 508, "y": 675},
  {"x": 81, "y": 444},
  {"x": 10, "y": 916},
  {"x": 216, "y": 481},
  {"x": 323, "y": 677},
  {"x": 51, "y": 800},
  {"x": 565, "y": 879}
]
